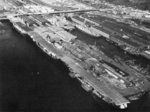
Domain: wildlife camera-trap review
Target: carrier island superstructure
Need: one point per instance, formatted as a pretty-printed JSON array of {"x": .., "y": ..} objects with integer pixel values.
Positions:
[{"x": 88, "y": 64}]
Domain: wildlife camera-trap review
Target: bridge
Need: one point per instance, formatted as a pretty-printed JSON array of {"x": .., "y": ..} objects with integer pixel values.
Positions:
[
  {"x": 47, "y": 13},
  {"x": 58, "y": 12}
]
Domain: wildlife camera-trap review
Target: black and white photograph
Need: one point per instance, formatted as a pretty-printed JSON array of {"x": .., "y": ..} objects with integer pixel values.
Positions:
[{"x": 74, "y": 55}]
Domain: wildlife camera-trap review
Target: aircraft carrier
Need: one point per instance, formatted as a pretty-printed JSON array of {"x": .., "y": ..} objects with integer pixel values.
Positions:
[
  {"x": 111, "y": 80},
  {"x": 98, "y": 74}
]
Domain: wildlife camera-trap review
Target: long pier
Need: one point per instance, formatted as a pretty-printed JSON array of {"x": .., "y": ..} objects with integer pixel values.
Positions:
[{"x": 48, "y": 13}]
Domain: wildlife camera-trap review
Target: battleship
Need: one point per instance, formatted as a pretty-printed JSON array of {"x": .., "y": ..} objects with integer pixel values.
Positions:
[
  {"x": 84, "y": 27},
  {"x": 111, "y": 80},
  {"x": 87, "y": 30}
]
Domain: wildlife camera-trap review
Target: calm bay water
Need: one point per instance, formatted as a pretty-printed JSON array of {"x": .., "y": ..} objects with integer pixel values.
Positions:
[{"x": 32, "y": 81}]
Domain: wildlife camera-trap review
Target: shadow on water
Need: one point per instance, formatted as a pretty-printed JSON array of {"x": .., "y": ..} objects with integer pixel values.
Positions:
[{"x": 30, "y": 80}]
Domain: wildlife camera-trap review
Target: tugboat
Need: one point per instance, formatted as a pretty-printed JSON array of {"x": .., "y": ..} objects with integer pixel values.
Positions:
[
  {"x": 1, "y": 23},
  {"x": 72, "y": 75},
  {"x": 87, "y": 87},
  {"x": 2, "y": 31},
  {"x": 136, "y": 96}
]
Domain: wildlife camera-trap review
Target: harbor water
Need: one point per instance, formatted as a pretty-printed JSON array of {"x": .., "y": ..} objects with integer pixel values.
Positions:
[{"x": 32, "y": 81}]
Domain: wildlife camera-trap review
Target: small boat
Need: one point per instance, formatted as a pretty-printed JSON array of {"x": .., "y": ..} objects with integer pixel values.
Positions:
[
  {"x": 133, "y": 97},
  {"x": 87, "y": 87},
  {"x": 71, "y": 74},
  {"x": 1, "y": 23},
  {"x": 2, "y": 31}
]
